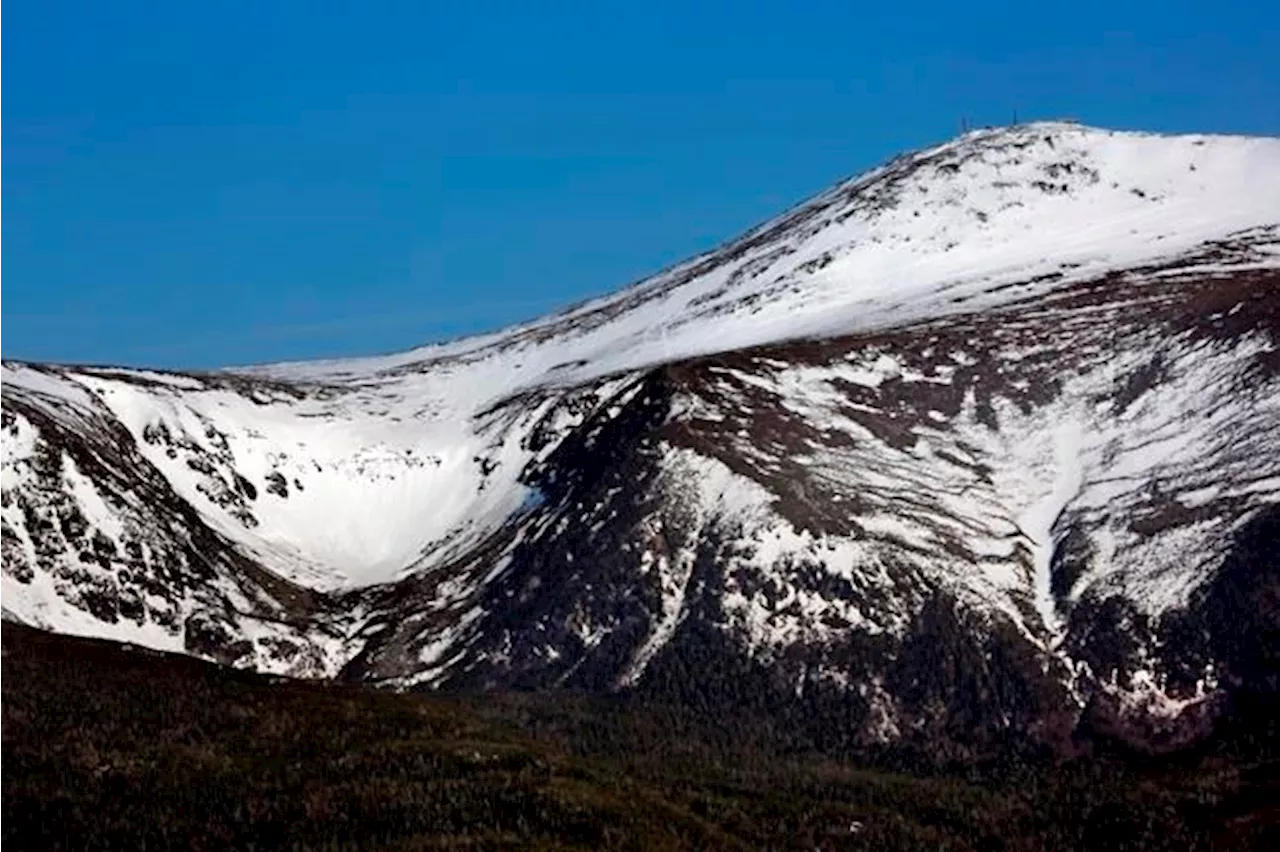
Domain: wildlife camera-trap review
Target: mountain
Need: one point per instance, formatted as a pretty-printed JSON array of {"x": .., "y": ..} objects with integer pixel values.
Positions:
[{"x": 980, "y": 446}]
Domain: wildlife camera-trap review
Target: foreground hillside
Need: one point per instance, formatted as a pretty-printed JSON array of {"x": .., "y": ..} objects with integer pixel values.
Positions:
[{"x": 110, "y": 747}]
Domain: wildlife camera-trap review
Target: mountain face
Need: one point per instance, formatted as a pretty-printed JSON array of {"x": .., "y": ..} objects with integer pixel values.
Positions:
[{"x": 981, "y": 445}]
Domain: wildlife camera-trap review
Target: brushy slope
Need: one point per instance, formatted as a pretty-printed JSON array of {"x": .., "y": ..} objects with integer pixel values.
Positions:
[{"x": 114, "y": 748}]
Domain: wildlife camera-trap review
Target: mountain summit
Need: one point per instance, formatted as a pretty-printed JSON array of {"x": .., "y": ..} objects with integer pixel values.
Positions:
[{"x": 984, "y": 443}]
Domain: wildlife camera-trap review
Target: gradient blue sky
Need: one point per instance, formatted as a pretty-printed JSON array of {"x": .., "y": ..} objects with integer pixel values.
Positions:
[{"x": 193, "y": 184}]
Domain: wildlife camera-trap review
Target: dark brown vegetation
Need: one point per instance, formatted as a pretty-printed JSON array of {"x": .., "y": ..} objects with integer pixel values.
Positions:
[{"x": 107, "y": 747}]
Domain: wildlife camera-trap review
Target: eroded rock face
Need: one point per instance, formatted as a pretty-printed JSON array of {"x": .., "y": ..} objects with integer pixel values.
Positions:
[{"x": 1039, "y": 508}]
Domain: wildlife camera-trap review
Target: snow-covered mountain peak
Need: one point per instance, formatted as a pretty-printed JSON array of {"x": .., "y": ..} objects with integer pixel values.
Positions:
[
  {"x": 359, "y": 445},
  {"x": 1009, "y": 403},
  {"x": 991, "y": 217}
]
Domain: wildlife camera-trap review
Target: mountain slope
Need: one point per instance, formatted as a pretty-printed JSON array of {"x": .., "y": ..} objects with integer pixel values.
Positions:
[{"x": 976, "y": 443}]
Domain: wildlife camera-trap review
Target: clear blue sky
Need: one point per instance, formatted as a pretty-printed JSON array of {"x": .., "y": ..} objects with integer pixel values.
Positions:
[{"x": 194, "y": 184}]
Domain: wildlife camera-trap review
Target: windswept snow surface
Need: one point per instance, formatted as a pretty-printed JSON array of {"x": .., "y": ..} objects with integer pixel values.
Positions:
[{"x": 940, "y": 231}]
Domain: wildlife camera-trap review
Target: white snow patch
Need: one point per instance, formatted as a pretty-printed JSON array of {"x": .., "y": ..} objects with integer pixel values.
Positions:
[{"x": 1037, "y": 521}]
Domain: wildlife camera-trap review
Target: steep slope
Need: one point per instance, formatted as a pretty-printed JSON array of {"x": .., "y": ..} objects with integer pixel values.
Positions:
[
  {"x": 977, "y": 443},
  {"x": 97, "y": 543},
  {"x": 1041, "y": 500}
]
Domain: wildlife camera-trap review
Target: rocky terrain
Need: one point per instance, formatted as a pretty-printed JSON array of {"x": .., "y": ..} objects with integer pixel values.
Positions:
[{"x": 980, "y": 447}]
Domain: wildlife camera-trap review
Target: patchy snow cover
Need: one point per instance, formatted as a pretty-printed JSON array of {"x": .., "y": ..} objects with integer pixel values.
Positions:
[{"x": 363, "y": 445}]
